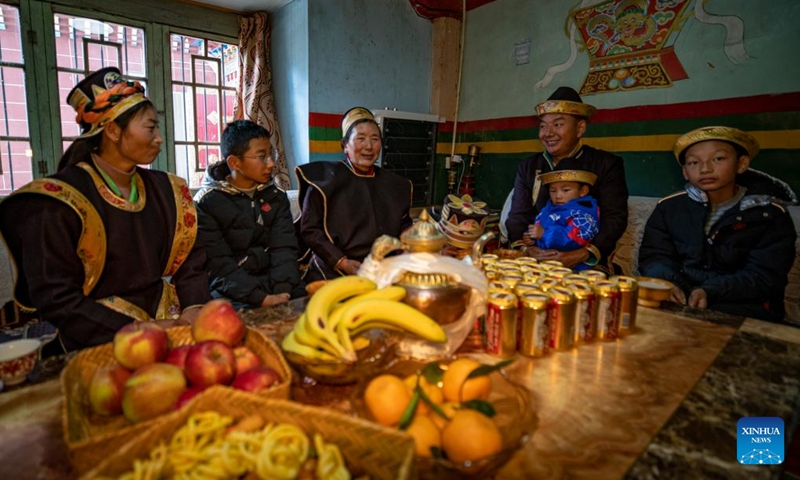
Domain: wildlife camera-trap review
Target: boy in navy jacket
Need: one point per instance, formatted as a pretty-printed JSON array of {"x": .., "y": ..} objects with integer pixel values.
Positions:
[{"x": 726, "y": 241}]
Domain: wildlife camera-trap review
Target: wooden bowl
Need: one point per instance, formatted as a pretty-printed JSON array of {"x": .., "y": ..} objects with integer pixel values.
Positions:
[{"x": 653, "y": 291}]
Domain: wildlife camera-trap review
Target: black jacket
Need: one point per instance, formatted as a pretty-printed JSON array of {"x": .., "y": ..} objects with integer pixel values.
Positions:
[
  {"x": 744, "y": 260},
  {"x": 250, "y": 243},
  {"x": 610, "y": 190}
]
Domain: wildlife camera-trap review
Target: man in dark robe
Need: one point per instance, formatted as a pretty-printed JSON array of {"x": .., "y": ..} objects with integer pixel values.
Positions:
[{"x": 562, "y": 123}]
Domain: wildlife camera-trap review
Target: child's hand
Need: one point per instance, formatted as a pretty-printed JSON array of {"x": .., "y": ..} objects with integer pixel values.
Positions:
[
  {"x": 527, "y": 240},
  {"x": 271, "y": 300},
  {"x": 698, "y": 298},
  {"x": 676, "y": 295},
  {"x": 536, "y": 231}
]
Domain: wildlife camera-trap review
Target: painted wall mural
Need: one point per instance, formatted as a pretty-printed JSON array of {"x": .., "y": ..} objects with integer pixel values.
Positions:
[{"x": 629, "y": 42}]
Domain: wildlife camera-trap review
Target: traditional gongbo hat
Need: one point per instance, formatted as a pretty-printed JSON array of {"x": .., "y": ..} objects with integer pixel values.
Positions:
[
  {"x": 581, "y": 176},
  {"x": 565, "y": 100},
  {"x": 101, "y": 97},
  {"x": 463, "y": 220},
  {"x": 725, "y": 134},
  {"x": 353, "y": 116}
]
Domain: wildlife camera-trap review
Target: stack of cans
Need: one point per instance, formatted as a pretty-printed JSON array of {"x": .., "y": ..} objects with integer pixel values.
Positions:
[{"x": 538, "y": 307}]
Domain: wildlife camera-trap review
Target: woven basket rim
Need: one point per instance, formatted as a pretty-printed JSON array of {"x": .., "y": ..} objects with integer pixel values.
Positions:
[{"x": 137, "y": 428}]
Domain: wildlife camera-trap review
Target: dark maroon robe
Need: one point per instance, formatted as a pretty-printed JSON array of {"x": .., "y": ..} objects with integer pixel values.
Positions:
[
  {"x": 42, "y": 234},
  {"x": 344, "y": 212}
]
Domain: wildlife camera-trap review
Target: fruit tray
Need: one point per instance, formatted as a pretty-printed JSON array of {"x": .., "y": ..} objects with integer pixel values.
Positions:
[
  {"x": 90, "y": 437},
  {"x": 368, "y": 449}
]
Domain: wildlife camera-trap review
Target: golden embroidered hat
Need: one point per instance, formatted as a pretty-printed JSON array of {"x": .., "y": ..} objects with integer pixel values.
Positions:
[
  {"x": 565, "y": 100},
  {"x": 101, "y": 97},
  {"x": 355, "y": 114},
  {"x": 581, "y": 176},
  {"x": 725, "y": 134}
]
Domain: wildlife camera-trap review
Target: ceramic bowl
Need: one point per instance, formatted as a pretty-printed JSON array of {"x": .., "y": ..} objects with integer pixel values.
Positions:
[
  {"x": 515, "y": 417},
  {"x": 17, "y": 359},
  {"x": 653, "y": 291},
  {"x": 374, "y": 358}
]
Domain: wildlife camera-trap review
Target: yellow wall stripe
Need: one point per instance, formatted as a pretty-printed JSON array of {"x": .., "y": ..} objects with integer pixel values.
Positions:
[{"x": 325, "y": 146}]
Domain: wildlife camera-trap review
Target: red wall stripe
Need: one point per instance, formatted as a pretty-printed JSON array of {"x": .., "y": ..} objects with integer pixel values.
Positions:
[{"x": 785, "y": 102}]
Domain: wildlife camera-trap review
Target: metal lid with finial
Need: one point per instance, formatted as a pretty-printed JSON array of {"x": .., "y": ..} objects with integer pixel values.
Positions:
[{"x": 423, "y": 236}]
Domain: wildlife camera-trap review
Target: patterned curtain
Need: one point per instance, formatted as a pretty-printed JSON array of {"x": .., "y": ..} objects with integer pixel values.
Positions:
[{"x": 256, "y": 101}]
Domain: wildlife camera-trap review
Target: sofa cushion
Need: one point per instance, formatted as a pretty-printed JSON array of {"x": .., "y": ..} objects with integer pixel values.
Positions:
[{"x": 627, "y": 253}]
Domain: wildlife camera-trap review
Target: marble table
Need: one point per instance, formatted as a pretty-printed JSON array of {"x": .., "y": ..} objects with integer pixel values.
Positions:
[{"x": 660, "y": 403}]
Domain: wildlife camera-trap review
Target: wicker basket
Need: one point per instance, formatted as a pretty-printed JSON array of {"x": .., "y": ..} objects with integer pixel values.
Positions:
[
  {"x": 90, "y": 437},
  {"x": 368, "y": 448}
]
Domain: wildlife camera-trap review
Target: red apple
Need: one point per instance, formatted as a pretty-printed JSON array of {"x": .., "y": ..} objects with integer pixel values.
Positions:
[
  {"x": 105, "y": 389},
  {"x": 257, "y": 379},
  {"x": 187, "y": 395},
  {"x": 151, "y": 391},
  {"x": 140, "y": 343},
  {"x": 218, "y": 320},
  {"x": 177, "y": 356},
  {"x": 245, "y": 359},
  {"x": 210, "y": 363}
]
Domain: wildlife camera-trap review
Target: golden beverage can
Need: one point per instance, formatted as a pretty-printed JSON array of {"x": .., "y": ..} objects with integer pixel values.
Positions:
[
  {"x": 629, "y": 297},
  {"x": 491, "y": 272},
  {"x": 500, "y": 328},
  {"x": 531, "y": 276},
  {"x": 593, "y": 275},
  {"x": 585, "y": 311},
  {"x": 546, "y": 283},
  {"x": 509, "y": 271},
  {"x": 533, "y": 336},
  {"x": 523, "y": 287},
  {"x": 512, "y": 279},
  {"x": 559, "y": 272},
  {"x": 500, "y": 286},
  {"x": 526, "y": 261},
  {"x": 575, "y": 278},
  {"x": 561, "y": 319},
  {"x": 551, "y": 263},
  {"x": 490, "y": 258},
  {"x": 507, "y": 263},
  {"x": 609, "y": 309}
]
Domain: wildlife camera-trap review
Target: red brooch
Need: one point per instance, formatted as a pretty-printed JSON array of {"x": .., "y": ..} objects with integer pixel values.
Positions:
[
  {"x": 739, "y": 226},
  {"x": 52, "y": 187},
  {"x": 266, "y": 207}
]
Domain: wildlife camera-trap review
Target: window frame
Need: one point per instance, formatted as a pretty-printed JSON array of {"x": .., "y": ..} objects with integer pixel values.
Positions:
[{"x": 39, "y": 62}]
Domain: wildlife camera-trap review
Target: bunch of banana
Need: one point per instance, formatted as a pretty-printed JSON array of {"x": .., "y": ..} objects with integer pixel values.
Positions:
[{"x": 347, "y": 307}]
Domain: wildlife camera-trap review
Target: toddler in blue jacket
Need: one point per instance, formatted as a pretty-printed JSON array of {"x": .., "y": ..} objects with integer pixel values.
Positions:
[{"x": 570, "y": 220}]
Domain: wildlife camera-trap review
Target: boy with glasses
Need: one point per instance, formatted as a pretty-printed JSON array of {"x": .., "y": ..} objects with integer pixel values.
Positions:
[{"x": 245, "y": 224}]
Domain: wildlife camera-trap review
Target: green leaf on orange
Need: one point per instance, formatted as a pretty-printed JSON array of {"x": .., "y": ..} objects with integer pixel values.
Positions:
[
  {"x": 433, "y": 373},
  {"x": 408, "y": 414},
  {"x": 484, "y": 370},
  {"x": 482, "y": 406}
]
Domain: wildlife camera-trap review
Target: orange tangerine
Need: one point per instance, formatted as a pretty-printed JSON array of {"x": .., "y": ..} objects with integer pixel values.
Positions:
[
  {"x": 425, "y": 435},
  {"x": 470, "y": 436},
  {"x": 387, "y": 397},
  {"x": 456, "y": 375},
  {"x": 449, "y": 410},
  {"x": 433, "y": 392}
]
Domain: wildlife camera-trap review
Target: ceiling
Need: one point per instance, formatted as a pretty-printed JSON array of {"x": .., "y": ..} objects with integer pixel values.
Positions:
[{"x": 247, "y": 5}]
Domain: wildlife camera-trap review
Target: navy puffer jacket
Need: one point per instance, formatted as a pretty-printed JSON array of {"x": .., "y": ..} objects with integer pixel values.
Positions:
[{"x": 250, "y": 242}]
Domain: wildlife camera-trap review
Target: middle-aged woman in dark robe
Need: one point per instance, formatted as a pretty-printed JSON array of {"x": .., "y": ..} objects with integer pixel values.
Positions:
[
  {"x": 104, "y": 242},
  {"x": 347, "y": 205}
]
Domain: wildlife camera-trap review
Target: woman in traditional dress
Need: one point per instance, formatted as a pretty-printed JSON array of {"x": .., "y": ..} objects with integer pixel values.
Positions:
[
  {"x": 347, "y": 205},
  {"x": 104, "y": 242}
]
